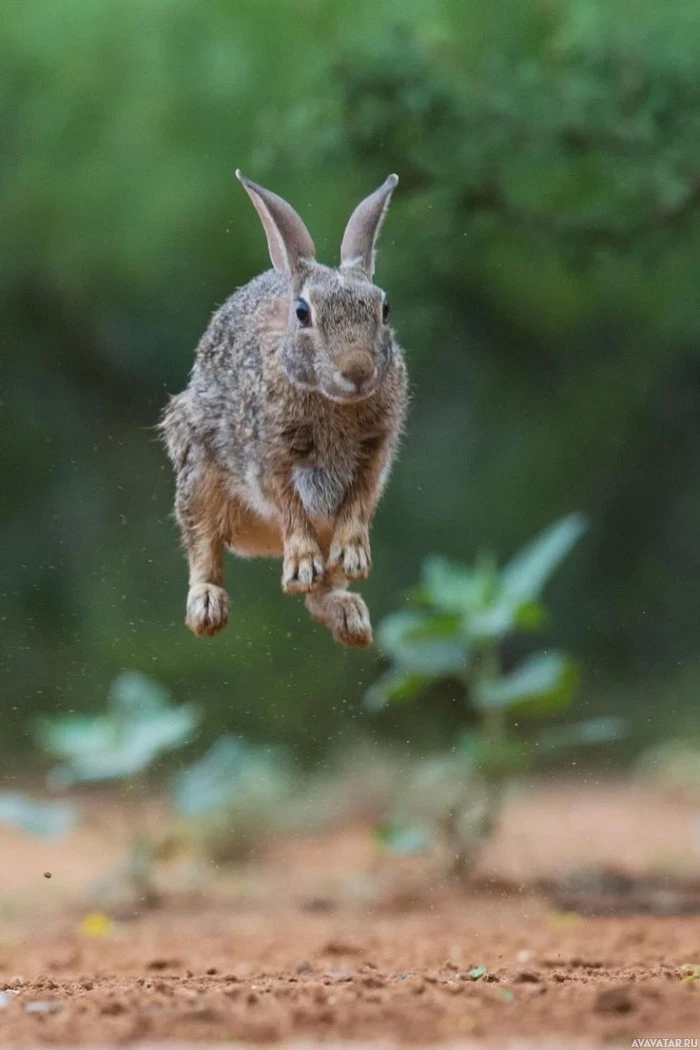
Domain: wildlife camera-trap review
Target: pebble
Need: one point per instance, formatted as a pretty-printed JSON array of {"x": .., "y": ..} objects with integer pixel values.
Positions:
[
  {"x": 614, "y": 1001},
  {"x": 42, "y": 1006},
  {"x": 527, "y": 977}
]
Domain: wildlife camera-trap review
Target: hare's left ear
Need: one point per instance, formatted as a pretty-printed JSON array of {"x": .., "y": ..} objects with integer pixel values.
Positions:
[
  {"x": 288, "y": 239},
  {"x": 361, "y": 232}
]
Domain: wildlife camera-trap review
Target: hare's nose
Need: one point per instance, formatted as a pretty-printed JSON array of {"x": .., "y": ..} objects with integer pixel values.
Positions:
[{"x": 356, "y": 372}]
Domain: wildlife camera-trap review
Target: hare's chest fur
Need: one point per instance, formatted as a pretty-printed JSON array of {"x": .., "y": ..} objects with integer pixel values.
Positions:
[
  {"x": 321, "y": 489},
  {"x": 325, "y": 462},
  {"x": 321, "y": 464}
]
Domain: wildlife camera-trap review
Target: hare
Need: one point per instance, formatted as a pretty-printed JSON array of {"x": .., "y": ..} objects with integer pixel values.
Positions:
[{"x": 283, "y": 439}]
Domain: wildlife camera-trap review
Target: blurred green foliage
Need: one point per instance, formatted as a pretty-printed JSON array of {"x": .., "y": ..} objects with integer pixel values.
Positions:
[
  {"x": 46, "y": 819},
  {"x": 235, "y": 798},
  {"x": 460, "y": 619},
  {"x": 455, "y": 631},
  {"x": 220, "y": 808},
  {"x": 542, "y": 256},
  {"x": 138, "y": 727}
]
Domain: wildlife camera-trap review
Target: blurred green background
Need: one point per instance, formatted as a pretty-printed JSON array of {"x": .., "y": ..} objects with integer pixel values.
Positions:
[{"x": 543, "y": 259}]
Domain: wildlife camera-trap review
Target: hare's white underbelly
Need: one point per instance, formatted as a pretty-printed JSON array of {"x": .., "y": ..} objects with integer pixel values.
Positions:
[
  {"x": 255, "y": 498},
  {"x": 255, "y": 533}
]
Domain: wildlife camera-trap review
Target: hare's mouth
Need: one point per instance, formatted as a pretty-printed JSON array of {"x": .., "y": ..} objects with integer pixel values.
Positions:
[
  {"x": 347, "y": 389},
  {"x": 345, "y": 398}
]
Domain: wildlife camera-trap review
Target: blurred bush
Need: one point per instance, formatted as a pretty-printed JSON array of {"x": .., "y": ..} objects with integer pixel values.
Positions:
[{"x": 542, "y": 255}]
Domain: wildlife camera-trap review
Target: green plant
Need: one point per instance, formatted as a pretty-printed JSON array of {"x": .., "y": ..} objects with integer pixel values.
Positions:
[
  {"x": 222, "y": 804},
  {"x": 454, "y": 630},
  {"x": 138, "y": 727},
  {"x": 234, "y": 797}
]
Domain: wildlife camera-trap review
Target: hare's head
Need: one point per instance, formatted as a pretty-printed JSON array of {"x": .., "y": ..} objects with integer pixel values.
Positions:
[{"x": 338, "y": 341}]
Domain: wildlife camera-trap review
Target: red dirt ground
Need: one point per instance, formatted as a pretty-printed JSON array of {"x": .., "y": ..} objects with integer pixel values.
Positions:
[{"x": 322, "y": 941}]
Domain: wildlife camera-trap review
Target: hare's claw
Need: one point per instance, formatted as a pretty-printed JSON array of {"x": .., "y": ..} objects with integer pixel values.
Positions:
[
  {"x": 347, "y": 617},
  {"x": 207, "y": 609},
  {"x": 351, "y": 553},
  {"x": 302, "y": 569}
]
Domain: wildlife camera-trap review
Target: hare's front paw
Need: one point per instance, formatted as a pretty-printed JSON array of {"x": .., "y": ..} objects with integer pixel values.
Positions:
[
  {"x": 348, "y": 618},
  {"x": 302, "y": 568},
  {"x": 207, "y": 609},
  {"x": 350, "y": 552}
]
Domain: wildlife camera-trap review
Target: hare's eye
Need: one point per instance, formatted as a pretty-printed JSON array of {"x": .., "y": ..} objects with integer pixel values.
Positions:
[
  {"x": 385, "y": 310},
  {"x": 303, "y": 312}
]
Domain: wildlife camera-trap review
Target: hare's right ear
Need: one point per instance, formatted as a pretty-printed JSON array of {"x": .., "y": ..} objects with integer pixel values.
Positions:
[
  {"x": 288, "y": 239},
  {"x": 362, "y": 230}
]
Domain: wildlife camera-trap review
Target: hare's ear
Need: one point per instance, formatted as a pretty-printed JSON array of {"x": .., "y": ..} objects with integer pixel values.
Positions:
[
  {"x": 288, "y": 239},
  {"x": 363, "y": 228}
]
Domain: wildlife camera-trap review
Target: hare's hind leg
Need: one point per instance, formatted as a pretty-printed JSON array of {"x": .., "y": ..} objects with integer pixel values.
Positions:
[
  {"x": 344, "y": 613},
  {"x": 203, "y": 513}
]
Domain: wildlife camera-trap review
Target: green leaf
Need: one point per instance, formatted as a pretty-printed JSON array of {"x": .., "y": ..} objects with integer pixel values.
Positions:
[
  {"x": 455, "y": 588},
  {"x": 44, "y": 819},
  {"x": 139, "y": 725},
  {"x": 505, "y": 613},
  {"x": 591, "y": 732},
  {"x": 422, "y": 643},
  {"x": 394, "y": 630},
  {"x": 543, "y": 683},
  {"x": 531, "y": 616},
  {"x": 494, "y": 623},
  {"x": 231, "y": 772},
  {"x": 476, "y": 973},
  {"x": 437, "y": 627},
  {"x": 72, "y": 737},
  {"x": 161, "y": 731},
  {"x": 525, "y": 576},
  {"x": 395, "y": 687},
  {"x": 132, "y": 694},
  {"x": 405, "y": 839}
]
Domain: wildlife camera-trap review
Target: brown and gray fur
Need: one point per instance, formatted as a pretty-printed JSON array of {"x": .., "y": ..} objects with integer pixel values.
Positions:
[{"x": 283, "y": 439}]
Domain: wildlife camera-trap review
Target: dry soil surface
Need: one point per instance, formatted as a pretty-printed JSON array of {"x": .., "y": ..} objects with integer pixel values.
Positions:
[{"x": 322, "y": 942}]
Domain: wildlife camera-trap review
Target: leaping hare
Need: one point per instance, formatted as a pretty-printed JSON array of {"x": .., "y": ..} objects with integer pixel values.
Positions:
[{"x": 283, "y": 439}]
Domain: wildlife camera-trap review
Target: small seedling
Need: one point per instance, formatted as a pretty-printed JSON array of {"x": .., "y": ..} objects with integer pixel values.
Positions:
[
  {"x": 139, "y": 726},
  {"x": 234, "y": 797},
  {"x": 453, "y": 631},
  {"x": 223, "y": 804}
]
